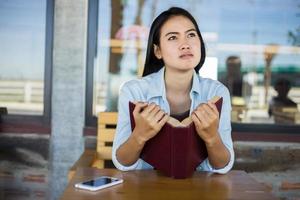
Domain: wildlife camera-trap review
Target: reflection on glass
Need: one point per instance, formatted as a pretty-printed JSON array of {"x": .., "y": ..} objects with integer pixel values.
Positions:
[
  {"x": 250, "y": 32},
  {"x": 281, "y": 106},
  {"x": 22, "y": 39}
]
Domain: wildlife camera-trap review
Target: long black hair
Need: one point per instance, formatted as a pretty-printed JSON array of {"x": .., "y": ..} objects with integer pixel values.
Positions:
[{"x": 152, "y": 63}]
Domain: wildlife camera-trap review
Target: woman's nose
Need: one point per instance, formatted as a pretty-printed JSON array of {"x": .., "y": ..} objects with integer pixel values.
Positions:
[{"x": 184, "y": 45}]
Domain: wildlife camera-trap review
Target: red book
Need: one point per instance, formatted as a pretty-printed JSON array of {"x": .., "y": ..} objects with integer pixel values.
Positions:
[{"x": 177, "y": 149}]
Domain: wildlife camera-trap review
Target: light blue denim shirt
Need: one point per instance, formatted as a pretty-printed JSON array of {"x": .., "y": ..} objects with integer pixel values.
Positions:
[{"x": 152, "y": 89}]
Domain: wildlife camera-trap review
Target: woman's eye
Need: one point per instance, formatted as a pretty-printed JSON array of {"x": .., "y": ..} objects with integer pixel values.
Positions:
[
  {"x": 172, "y": 38},
  {"x": 192, "y": 35}
]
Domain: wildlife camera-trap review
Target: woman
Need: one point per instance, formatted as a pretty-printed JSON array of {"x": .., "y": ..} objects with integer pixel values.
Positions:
[{"x": 171, "y": 86}]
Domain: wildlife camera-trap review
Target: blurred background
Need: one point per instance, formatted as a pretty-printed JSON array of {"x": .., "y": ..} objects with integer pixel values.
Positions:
[{"x": 62, "y": 62}]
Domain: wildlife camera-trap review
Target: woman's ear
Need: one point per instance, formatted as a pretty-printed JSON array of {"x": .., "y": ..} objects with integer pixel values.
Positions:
[{"x": 157, "y": 52}]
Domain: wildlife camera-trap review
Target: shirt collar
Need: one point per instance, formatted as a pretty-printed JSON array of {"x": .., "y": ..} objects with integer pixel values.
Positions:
[
  {"x": 157, "y": 85},
  {"x": 196, "y": 83},
  {"x": 158, "y": 88}
]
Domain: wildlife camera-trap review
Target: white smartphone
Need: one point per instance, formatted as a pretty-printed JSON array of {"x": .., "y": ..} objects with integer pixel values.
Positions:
[{"x": 99, "y": 183}]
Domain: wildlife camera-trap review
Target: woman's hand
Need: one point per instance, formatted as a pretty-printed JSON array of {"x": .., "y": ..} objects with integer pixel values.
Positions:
[
  {"x": 206, "y": 120},
  {"x": 149, "y": 119}
]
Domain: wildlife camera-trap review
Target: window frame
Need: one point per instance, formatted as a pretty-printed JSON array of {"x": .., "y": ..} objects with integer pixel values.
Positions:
[
  {"x": 18, "y": 123},
  {"x": 90, "y": 120},
  {"x": 244, "y": 131}
]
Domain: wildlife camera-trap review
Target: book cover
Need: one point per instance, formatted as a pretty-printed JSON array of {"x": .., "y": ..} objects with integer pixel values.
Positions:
[{"x": 177, "y": 149}]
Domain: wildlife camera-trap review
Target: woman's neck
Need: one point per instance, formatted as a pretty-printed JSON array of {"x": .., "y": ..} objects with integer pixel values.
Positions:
[
  {"x": 178, "y": 82},
  {"x": 178, "y": 86}
]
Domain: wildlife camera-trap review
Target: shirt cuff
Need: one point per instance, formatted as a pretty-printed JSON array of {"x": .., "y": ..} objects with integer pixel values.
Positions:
[
  {"x": 121, "y": 167},
  {"x": 208, "y": 167}
]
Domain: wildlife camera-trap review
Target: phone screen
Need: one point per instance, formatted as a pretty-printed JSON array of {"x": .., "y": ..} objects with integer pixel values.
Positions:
[{"x": 99, "y": 181}]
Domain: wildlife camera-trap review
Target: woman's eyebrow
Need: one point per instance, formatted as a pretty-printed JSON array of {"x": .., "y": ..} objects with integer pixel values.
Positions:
[
  {"x": 170, "y": 33},
  {"x": 176, "y": 33},
  {"x": 192, "y": 29}
]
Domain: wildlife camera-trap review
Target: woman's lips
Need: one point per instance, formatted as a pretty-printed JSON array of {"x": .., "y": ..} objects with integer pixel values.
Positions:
[{"x": 186, "y": 56}]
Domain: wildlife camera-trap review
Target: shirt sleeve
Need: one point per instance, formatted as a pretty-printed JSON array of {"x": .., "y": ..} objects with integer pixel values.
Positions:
[
  {"x": 123, "y": 130},
  {"x": 225, "y": 133}
]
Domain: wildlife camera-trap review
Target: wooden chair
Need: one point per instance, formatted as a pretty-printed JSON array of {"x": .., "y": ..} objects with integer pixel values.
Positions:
[{"x": 107, "y": 122}]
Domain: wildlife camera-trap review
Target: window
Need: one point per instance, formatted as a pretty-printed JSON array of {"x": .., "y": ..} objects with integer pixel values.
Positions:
[
  {"x": 252, "y": 47},
  {"x": 25, "y": 63}
]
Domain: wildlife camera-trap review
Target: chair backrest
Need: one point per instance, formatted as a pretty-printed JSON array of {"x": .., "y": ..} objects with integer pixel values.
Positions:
[{"x": 107, "y": 122}]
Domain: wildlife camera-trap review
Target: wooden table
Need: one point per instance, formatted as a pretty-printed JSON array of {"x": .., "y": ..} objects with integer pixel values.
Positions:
[{"x": 150, "y": 184}]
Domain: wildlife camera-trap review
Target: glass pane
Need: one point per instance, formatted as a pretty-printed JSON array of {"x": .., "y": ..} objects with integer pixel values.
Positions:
[
  {"x": 251, "y": 46},
  {"x": 22, "y": 49}
]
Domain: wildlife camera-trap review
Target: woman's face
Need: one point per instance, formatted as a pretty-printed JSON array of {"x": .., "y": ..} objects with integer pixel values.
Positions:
[{"x": 179, "y": 44}]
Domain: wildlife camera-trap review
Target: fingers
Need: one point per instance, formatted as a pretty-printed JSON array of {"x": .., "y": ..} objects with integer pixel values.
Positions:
[
  {"x": 207, "y": 112},
  {"x": 151, "y": 112},
  {"x": 139, "y": 106},
  {"x": 196, "y": 120},
  {"x": 199, "y": 119},
  {"x": 149, "y": 109},
  {"x": 155, "y": 114},
  {"x": 144, "y": 108},
  {"x": 159, "y": 115},
  {"x": 204, "y": 116},
  {"x": 163, "y": 120},
  {"x": 213, "y": 107}
]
